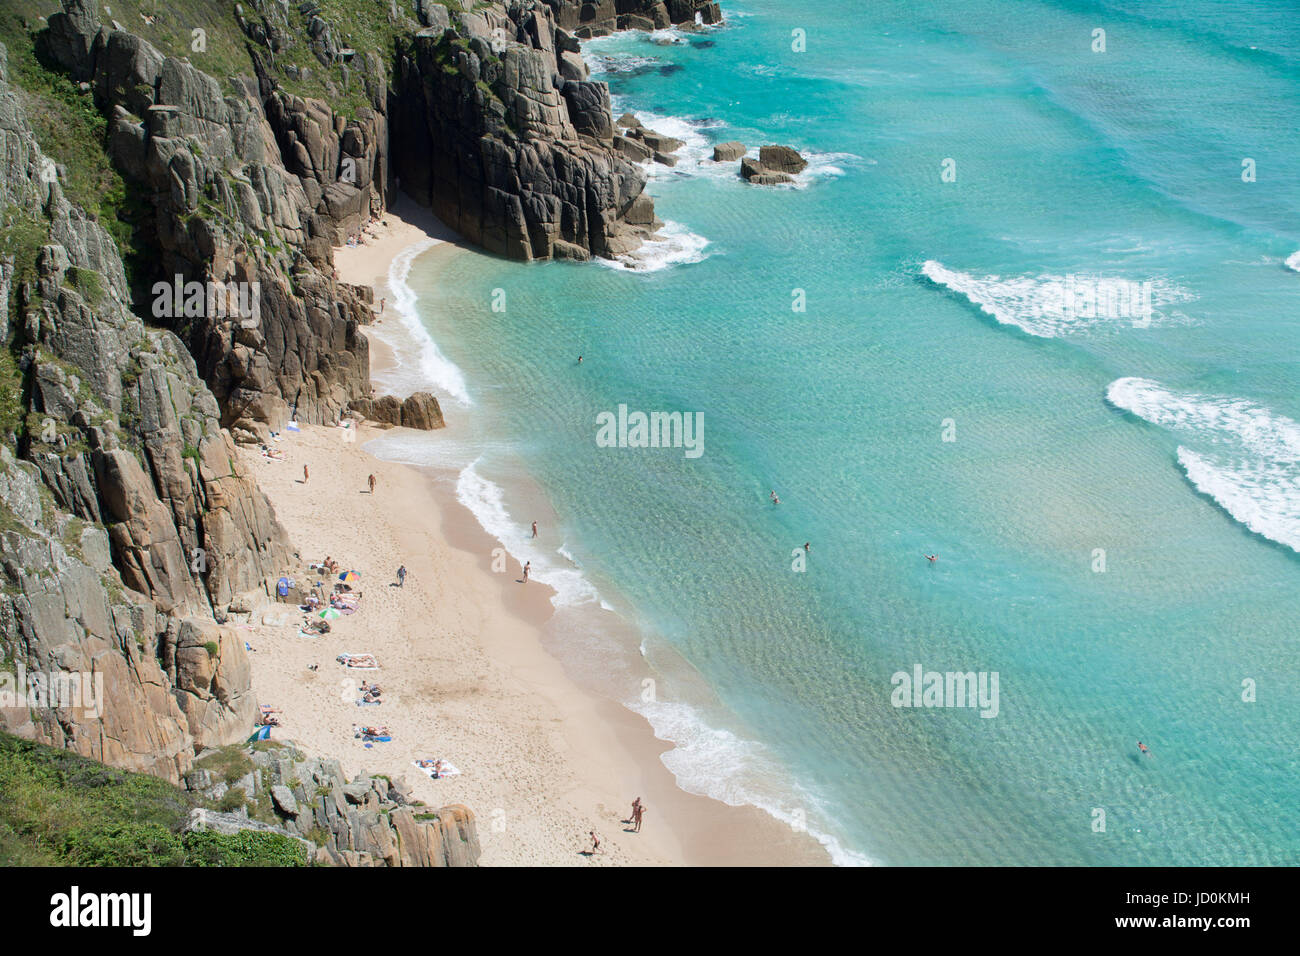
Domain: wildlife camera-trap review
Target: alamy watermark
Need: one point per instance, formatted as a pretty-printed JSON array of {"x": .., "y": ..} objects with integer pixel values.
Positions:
[
  {"x": 69, "y": 690},
  {"x": 1084, "y": 297},
  {"x": 218, "y": 300},
  {"x": 923, "y": 688},
  {"x": 626, "y": 429}
]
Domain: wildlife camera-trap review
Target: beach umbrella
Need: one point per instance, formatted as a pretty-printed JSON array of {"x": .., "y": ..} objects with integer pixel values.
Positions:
[
  {"x": 350, "y": 577},
  {"x": 328, "y": 614}
]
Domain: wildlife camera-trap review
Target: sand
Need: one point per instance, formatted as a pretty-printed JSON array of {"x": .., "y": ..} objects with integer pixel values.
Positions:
[{"x": 464, "y": 673}]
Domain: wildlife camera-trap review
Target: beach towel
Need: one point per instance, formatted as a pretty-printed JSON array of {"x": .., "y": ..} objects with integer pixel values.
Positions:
[
  {"x": 447, "y": 770},
  {"x": 261, "y": 733},
  {"x": 292, "y": 427},
  {"x": 370, "y": 739},
  {"x": 369, "y": 703}
]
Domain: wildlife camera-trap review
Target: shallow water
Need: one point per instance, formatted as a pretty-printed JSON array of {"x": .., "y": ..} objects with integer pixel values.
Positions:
[{"x": 1116, "y": 516}]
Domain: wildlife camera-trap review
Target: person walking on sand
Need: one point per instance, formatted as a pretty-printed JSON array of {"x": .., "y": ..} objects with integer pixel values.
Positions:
[
  {"x": 636, "y": 818},
  {"x": 595, "y": 841},
  {"x": 304, "y": 474},
  {"x": 371, "y": 481},
  {"x": 401, "y": 576},
  {"x": 534, "y": 529},
  {"x": 527, "y": 565},
  {"x": 636, "y": 807}
]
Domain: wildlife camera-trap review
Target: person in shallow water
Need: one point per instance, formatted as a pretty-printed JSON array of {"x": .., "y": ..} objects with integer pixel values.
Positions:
[
  {"x": 932, "y": 558},
  {"x": 1144, "y": 748},
  {"x": 775, "y": 499}
]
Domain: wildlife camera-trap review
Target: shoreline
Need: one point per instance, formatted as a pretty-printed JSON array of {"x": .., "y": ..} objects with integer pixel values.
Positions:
[{"x": 525, "y": 711}]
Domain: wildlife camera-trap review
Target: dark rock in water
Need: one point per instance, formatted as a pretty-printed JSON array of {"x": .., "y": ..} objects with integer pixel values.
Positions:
[
  {"x": 775, "y": 165},
  {"x": 782, "y": 158},
  {"x": 668, "y": 69},
  {"x": 659, "y": 142},
  {"x": 728, "y": 152},
  {"x": 704, "y": 44},
  {"x": 760, "y": 175}
]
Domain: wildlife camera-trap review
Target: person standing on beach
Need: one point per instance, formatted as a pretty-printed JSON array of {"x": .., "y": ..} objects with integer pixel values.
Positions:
[
  {"x": 527, "y": 565},
  {"x": 304, "y": 474},
  {"x": 636, "y": 818},
  {"x": 636, "y": 808},
  {"x": 595, "y": 841},
  {"x": 534, "y": 529},
  {"x": 381, "y": 306},
  {"x": 401, "y": 576},
  {"x": 371, "y": 480}
]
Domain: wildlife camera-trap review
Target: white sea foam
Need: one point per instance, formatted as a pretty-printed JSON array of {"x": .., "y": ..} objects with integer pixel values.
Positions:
[
  {"x": 1293, "y": 261},
  {"x": 430, "y": 367},
  {"x": 717, "y": 763},
  {"x": 486, "y": 500},
  {"x": 1040, "y": 305},
  {"x": 1247, "y": 457},
  {"x": 672, "y": 245}
]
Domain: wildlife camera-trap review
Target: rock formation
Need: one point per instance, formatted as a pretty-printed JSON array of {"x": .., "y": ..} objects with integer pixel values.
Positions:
[
  {"x": 368, "y": 821},
  {"x": 775, "y": 165},
  {"x": 250, "y": 188},
  {"x": 127, "y": 520}
]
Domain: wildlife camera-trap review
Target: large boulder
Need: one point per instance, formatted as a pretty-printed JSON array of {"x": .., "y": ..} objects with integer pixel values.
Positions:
[
  {"x": 421, "y": 411},
  {"x": 728, "y": 152}
]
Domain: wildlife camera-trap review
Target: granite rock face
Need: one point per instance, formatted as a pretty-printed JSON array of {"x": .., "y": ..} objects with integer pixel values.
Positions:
[
  {"x": 247, "y": 188},
  {"x": 128, "y": 522},
  {"x": 498, "y": 130},
  {"x": 775, "y": 165},
  {"x": 367, "y": 821}
]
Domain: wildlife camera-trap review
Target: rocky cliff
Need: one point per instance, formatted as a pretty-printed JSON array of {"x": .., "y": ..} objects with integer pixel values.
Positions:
[
  {"x": 245, "y": 186},
  {"x": 128, "y": 529},
  {"x": 498, "y": 129},
  {"x": 127, "y": 524}
]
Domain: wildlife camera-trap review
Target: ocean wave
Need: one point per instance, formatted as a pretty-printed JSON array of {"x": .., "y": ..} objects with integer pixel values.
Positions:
[
  {"x": 1050, "y": 306},
  {"x": 620, "y": 64},
  {"x": 673, "y": 245},
  {"x": 485, "y": 499},
  {"x": 716, "y": 763},
  {"x": 432, "y": 368},
  {"x": 1249, "y": 462},
  {"x": 1293, "y": 261}
]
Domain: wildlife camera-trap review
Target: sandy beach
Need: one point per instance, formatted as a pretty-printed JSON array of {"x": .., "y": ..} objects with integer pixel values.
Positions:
[{"x": 465, "y": 676}]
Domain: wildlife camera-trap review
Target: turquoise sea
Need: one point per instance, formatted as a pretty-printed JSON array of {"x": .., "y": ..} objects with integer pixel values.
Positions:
[{"x": 1116, "y": 512}]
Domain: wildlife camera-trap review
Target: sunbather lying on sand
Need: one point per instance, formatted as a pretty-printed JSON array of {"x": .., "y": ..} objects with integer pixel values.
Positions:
[{"x": 358, "y": 660}]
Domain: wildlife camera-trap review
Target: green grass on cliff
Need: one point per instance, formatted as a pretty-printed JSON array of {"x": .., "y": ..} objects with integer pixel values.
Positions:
[{"x": 59, "y": 809}]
